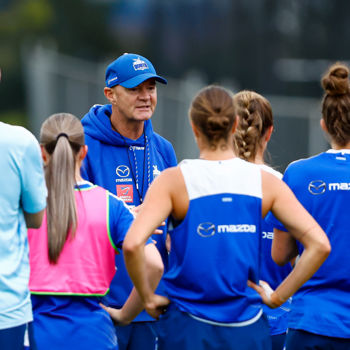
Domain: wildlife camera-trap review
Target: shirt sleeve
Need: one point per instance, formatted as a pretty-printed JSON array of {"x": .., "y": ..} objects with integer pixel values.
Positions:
[
  {"x": 33, "y": 187},
  {"x": 120, "y": 219}
]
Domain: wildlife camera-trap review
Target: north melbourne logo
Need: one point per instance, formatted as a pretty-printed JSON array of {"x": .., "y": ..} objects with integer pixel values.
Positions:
[
  {"x": 139, "y": 64},
  {"x": 156, "y": 171},
  {"x": 125, "y": 192}
]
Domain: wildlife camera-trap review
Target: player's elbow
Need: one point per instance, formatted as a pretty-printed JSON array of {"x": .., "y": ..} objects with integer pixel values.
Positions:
[
  {"x": 280, "y": 260},
  {"x": 129, "y": 248},
  {"x": 283, "y": 257},
  {"x": 324, "y": 248}
]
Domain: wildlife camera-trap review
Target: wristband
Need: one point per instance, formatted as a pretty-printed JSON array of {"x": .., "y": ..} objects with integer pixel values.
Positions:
[
  {"x": 267, "y": 289},
  {"x": 272, "y": 295}
]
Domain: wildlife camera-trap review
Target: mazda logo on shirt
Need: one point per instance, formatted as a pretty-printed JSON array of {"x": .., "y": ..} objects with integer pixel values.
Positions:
[
  {"x": 122, "y": 171},
  {"x": 206, "y": 229},
  {"x": 317, "y": 187}
]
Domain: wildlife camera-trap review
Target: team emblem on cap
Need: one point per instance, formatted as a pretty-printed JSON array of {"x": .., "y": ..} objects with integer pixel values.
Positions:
[{"x": 139, "y": 64}]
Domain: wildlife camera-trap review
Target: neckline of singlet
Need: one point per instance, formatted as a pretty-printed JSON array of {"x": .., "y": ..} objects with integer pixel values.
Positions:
[
  {"x": 83, "y": 184},
  {"x": 344, "y": 150}
]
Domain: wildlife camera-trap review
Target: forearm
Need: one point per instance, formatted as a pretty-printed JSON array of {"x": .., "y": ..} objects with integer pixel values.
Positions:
[
  {"x": 284, "y": 247},
  {"x": 131, "y": 308},
  {"x": 134, "y": 305},
  {"x": 310, "y": 261},
  {"x": 154, "y": 263},
  {"x": 138, "y": 271}
]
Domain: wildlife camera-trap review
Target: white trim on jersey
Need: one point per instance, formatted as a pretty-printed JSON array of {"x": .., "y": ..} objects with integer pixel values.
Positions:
[
  {"x": 235, "y": 324},
  {"x": 270, "y": 170},
  {"x": 208, "y": 177}
]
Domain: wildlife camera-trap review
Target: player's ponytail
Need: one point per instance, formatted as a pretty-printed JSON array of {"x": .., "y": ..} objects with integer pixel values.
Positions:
[{"x": 62, "y": 136}]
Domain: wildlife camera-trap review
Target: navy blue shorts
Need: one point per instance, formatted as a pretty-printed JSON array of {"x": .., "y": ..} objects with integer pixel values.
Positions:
[
  {"x": 278, "y": 341},
  {"x": 301, "y": 340},
  {"x": 179, "y": 331},
  {"x": 12, "y": 338},
  {"x": 136, "y": 336}
]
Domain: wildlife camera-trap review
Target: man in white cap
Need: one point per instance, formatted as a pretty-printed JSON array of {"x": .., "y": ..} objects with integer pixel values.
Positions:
[{"x": 125, "y": 155}]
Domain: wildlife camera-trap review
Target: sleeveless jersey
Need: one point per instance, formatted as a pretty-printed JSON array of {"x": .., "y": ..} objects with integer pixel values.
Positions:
[{"x": 215, "y": 249}]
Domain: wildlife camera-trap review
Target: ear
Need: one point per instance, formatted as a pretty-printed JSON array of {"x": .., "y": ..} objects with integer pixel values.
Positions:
[
  {"x": 110, "y": 95},
  {"x": 268, "y": 133},
  {"x": 235, "y": 124},
  {"x": 45, "y": 156},
  {"x": 195, "y": 130},
  {"x": 83, "y": 152},
  {"x": 323, "y": 125}
]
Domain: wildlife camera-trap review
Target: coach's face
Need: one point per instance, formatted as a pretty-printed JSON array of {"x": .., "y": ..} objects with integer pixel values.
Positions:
[{"x": 136, "y": 103}]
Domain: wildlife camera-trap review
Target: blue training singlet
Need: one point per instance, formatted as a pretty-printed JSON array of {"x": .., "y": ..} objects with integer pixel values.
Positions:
[{"x": 215, "y": 249}]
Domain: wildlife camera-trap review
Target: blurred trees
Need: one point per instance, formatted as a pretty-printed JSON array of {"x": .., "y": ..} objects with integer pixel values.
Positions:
[
  {"x": 18, "y": 20},
  {"x": 73, "y": 27},
  {"x": 243, "y": 41}
]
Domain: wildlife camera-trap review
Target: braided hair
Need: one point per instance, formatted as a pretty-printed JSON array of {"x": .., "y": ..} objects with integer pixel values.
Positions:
[{"x": 255, "y": 117}]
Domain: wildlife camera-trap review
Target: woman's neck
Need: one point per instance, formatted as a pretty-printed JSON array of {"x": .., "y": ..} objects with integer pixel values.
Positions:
[
  {"x": 222, "y": 151},
  {"x": 259, "y": 157},
  {"x": 338, "y": 147},
  {"x": 78, "y": 177},
  {"x": 217, "y": 154}
]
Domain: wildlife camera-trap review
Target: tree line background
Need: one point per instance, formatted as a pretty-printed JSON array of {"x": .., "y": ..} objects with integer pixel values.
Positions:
[{"x": 275, "y": 47}]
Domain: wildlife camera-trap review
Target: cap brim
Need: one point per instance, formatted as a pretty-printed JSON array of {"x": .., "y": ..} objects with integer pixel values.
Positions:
[{"x": 131, "y": 83}]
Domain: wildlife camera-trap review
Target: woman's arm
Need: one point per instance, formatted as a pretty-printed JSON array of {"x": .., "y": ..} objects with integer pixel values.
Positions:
[
  {"x": 284, "y": 247},
  {"x": 159, "y": 196},
  {"x": 34, "y": 220},
  {"x": 278, "y": 198},
  {"x": 133, "y": 305}
]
